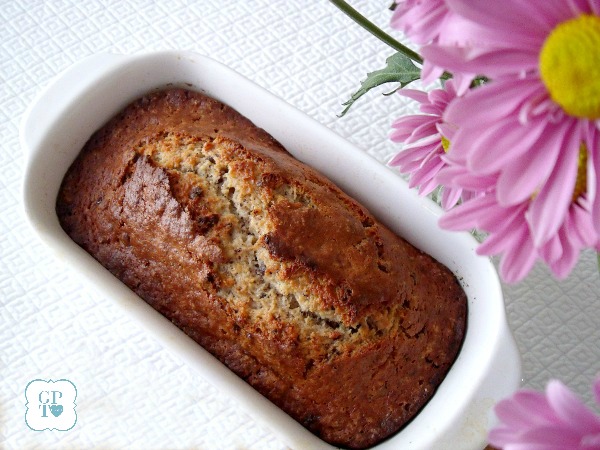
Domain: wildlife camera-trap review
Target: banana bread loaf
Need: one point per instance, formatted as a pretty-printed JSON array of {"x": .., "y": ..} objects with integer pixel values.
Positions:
[{"x": 264, "y": 262}]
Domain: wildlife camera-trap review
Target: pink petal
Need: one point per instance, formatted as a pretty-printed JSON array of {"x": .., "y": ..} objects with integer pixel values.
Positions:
[
  {"x": 562, "y": 265},
  {"x": 459, "y": 155},
  {"x": 440, "y": 97},
  {"x": 465, "y": 216},
  {"x": 497, "y": 219},
  {"x": 430, "y": 73},
  {"x": 537, "y": 404},
  {"x": 595, "y": 153},
  {"x": 516, "y": 412},
  {"x": 450, "y": 197},
  {"x": 408, "y": 123},
  {"x": 460, "y": 32},
  {"x": 557, "y": 420},
  {"x": 576, "y": 222},
  {"x": 421, "y": 21},
  {"x": 508, "y": 18},
  {"x": 571, "y": 409},
  {"x": 499, "y": 437},
  {"x": 504, "y": 237},
  {"x": 404, "y": 127},
  {"x": 428, "y": 171},
  {"x": 519, "y": 180},
  {"x": 516, "y": 264},
  {"x": 590, "y": 442},
  {"x": 414, "y": 94},
  {"x": 423, "y": 131},
  {"x": 500, "y": 144},
  {"x": 425, "y": 26},
  {"x": 457, "y": 176},
  {"x": 525, "y": 409},
  {"x": 463, "y": 82},
  {"x": 414, "y": 155},
  {"x": 427, "y": 187},
  {"x": 583, "y": 227},
  {"x": 447, "y": 175},
  {"x": 495, "y": 244},
  {"x": 594, "y": 7},
  {"x": 552, "y": 250},
  {"x": 446, "y": 130},
  {"x": 487, "y": 104},
  {"x": 490, "y": 61},
  {"x": 429, "y": 168},
  {"x": 554, "y": 436},
  {"x": 593, "y": 146},
  {"x": 529, "y": 446},
  {"x": 507, "y": 440},
  {"x": 578, "y": 6},
  {"x": 433, "y": 109},
  {"x": 549, "y": 208},
  {"x": 558, "y": 11}
]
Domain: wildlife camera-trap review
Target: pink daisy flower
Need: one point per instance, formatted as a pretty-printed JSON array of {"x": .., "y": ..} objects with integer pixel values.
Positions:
[
  {"x": 426, "y": 143},
  {"x": 556, "y": 419},
  {"x": 530, "y": 123}
]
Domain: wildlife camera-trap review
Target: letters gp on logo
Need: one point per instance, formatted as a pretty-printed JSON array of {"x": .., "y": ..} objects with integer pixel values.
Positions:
[{"x": 50, "y": 405}]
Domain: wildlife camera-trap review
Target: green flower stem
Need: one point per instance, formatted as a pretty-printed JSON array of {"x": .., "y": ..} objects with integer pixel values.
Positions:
[{"x": 376, "y": 31}]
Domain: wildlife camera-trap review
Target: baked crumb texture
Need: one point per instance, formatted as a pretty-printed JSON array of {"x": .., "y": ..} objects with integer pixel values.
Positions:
[{"x": 266, "y": 264}]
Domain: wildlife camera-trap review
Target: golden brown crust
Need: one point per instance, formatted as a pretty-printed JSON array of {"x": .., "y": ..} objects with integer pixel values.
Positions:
[{"x": 267, "y": 264}]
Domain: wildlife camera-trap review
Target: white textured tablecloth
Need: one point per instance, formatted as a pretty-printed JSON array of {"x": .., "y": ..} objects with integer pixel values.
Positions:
[{"x": 131, "y": 392}]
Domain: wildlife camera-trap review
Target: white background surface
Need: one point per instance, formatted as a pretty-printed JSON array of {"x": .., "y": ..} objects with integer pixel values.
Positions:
[{"x": 131, "y": 392}]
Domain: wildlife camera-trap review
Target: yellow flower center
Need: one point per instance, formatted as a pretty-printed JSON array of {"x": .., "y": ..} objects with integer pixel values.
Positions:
[
  {"x": 581, "y": 181},
  {"x": 445, "y": 144},
  {"x": 570, "y": 66}
]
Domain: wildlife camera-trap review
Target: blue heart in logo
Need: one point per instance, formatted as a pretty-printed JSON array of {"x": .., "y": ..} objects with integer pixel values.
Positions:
[{"x": 56, "y": 410}]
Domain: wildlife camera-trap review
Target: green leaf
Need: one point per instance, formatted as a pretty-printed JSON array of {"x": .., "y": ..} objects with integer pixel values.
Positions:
[{"x": 399, "y": 69}]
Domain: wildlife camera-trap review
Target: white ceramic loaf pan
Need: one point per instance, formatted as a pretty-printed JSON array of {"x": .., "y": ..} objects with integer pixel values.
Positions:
[{"x": 83, "y": 98}]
